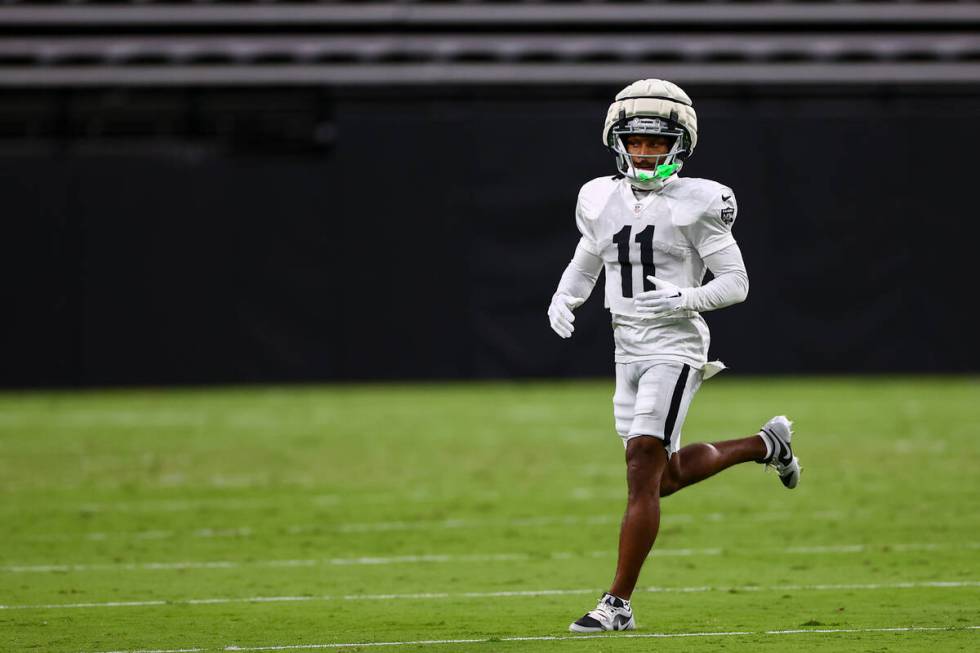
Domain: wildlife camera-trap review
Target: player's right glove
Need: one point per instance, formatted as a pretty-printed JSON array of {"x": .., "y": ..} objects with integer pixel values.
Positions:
[{"x": 560, "y": 314}]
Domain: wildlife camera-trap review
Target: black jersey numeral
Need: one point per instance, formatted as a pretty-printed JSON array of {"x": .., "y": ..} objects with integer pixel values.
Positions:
[
  {"x": 645, "y": 239},
  {"x": 622, "y": 240}
]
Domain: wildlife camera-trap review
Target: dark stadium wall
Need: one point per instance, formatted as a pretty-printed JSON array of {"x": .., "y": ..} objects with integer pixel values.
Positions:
[{"x": 426, "y": 240}]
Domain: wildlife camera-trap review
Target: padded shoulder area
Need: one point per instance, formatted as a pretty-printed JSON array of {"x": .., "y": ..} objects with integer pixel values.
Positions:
[
  {"x": 697, "y": 196},
  {"x": 594, "y": 195}
]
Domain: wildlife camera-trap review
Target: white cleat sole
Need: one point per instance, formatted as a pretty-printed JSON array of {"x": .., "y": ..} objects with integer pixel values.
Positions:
[{"x": 575, "y": 628}]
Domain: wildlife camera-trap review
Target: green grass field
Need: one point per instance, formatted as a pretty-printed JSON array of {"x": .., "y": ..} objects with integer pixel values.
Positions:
[{"x": 464, "y": 517}]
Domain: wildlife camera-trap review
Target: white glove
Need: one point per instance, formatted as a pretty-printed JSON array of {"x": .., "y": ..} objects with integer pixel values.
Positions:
[
  {"x": 663, "y": 302},
  {"x": 560, "y": 314}
]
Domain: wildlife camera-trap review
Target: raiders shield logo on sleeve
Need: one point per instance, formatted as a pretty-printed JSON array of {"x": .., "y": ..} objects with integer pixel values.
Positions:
[{"x": 728, "y": 215}]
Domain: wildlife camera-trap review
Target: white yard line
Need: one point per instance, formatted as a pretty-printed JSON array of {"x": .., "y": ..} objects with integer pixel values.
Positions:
[
  {"x": 352, "y": 527},
  {"x": 180, "y": 505},
  {"x": 346, "y": 561},
  {"x": 167, "y": 650},
  {"x": 101, "y": 536},
  {"x": 500, "y": 594},
  {"x": 471, "y": 557},
  {"x": 149, "y": 505},
  {"x": 559, "y": 638},
  {"x": 429, "y": 525}
]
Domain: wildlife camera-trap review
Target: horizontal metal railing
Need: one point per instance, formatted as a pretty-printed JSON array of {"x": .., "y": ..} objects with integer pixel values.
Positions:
[
  {"x": 423, "y": 43},
  {"x": 475, "y": 15},
  {"x": 504, "y": 49},
  {"x": 483, "y": 74}
]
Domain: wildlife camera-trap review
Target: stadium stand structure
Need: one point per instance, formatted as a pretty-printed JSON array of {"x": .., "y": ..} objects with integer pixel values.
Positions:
[
  {"x": 192, "y": 185},
  {"x": 78, "y": 43}
]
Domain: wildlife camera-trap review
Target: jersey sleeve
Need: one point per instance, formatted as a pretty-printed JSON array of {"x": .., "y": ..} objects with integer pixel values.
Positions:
[
  {"x": 712, "y": 231},
  {"x": 585, "y": 221}
]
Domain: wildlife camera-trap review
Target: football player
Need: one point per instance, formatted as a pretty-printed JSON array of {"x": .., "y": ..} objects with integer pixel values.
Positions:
[{"x": 656, "y": 234}]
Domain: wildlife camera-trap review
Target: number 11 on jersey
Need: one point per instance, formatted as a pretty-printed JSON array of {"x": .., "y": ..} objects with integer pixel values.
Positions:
[{"x": 645, "y": 239}]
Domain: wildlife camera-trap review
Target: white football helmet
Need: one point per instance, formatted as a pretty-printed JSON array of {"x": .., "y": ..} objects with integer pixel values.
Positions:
[{"x": 652, "y": 107}]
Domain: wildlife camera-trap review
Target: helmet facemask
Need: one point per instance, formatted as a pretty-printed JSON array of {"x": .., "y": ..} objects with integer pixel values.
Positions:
[{"x": 663, "y": 165}]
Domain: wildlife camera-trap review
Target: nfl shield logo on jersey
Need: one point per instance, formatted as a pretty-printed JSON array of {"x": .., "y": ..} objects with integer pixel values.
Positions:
[{"x": 728, "y": 215}]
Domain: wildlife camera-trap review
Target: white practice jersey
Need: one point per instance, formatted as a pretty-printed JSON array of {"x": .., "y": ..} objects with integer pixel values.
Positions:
[{"x": 666, "y": 234}]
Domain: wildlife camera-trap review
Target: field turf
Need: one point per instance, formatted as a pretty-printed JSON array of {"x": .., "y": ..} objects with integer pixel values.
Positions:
[{"x": 464, "y": 517}]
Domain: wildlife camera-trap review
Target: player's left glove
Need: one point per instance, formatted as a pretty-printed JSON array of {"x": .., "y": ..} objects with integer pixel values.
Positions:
[{"x": 663, "y": 302}]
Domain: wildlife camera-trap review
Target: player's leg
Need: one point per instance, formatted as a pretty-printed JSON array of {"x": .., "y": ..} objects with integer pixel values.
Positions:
[
  {"x": 644, "y": 469},
  {"x": 646, "y": 461},
  {"x": 663, "y": 396},
  {"x": 612, "y": 612},
  {"x": 771, "y": 446},
  {"x": 696, "y": 462}
]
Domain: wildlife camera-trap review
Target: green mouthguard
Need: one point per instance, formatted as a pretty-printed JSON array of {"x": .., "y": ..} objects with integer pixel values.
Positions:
[{"x": 662, "y": 172}]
